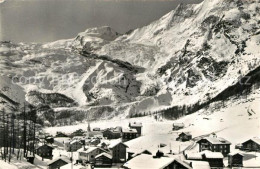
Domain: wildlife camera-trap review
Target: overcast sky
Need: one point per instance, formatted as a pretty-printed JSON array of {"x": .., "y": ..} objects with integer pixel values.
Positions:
[{"x": 49, "y": 20}]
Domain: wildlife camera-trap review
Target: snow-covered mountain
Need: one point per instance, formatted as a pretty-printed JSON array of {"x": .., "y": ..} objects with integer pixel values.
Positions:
[{"x": 191, "y": 54}]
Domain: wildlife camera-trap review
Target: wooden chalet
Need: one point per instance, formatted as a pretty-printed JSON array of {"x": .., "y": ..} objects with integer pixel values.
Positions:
[
  {"x": 215, "y": 159},
  {"x": 45, "y": 151},
  {"x": 103, "y": 160},
  {"x": 129, "y": 134},
  {"x": 59, "y": 162},
  {"x": 177, "y": 126},
  {"x": 111, "y": 134},
  {"x": 214, "y": 144},
  {"x": 137, "y": 126},
  {"x": 251, "y": 144},
  {"x": 88, "y": 154},
  {"x": 235, "y": 160},
  {"x": 184, "y": 136},
  {"x": 118, "y": 151}
]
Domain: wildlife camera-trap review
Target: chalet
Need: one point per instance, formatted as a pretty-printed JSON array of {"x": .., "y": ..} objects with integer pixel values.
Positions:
[
  {"x": 49, "y": 140},
  {"x": 45, "y": 151},
  {"x": 184, "y": 136},
  {"x": 103, "y": 160},
  {"x": 30, "y": 158},
  {"x": 215, "y": 159},
  {"x": 137, "y": 126},
  {"x": 149, "y": 161},
  {"x": 118, "y": 151},
  {"x": 251, "y": 144},
  {"x": 193, "y": 156},
  {"x": 96, "y": 129},
  {"x": 60, "y": 134},
  {"x": 88, "y": 154},
  {"x": 104, "y": 144},
  {"x": 94, "y": 142},
  {"x": 73, "y": 145},
  {"x": 59, "y": 162},
  {"x": 111, "y": 134},
  {"x": 235, "y": 160},
  {"x": 177, "y": 126},
  {"x": 214, "y": 144},
  {"x": 129, "y": 134}
]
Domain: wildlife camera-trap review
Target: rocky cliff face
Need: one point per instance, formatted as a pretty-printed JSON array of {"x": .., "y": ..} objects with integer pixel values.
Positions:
[{"x": 192, "y": 53}]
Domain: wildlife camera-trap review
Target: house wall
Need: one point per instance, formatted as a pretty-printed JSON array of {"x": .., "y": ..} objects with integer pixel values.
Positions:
[
  {"x": 250, "y": 145},
  {"x": 90, "y": 157},
  {"x": 235, "y": 161},
  {"x": 103, "y": 161},
  {"x": 129, "y": 136},
  {"x": 44, "y": 152},
  {"x": 119, "y": 152}
]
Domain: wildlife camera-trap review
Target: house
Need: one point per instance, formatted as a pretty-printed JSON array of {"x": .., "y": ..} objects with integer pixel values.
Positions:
[
  {"x": 177, "y": 126},
  {"x": 111, "y": 134},
  {"x": 45, "y": 151},
  {"x": 96, "y": 129},
  {"x": 149, "y": 161},
  {"x": 30, "y": 158},
  {"x": 251, "y": 144},
  {"x": 215, "y": 159},
  {"x": 94, "y": 142},
  {"x": 59, "y": 162},
  {"x": 184, "y": 136},
  {"x": 137, "y": 126},
  {"x": 60, "y": 134},
  {"x": 235, "y": 160},
  {"x": 118, "y": 151},
  {"x": 129, "y": 134},
  {"x": 103, "y": 160},
  {"x": 49, "y": 140},
  {"x": 214, "y": 144},
  {"x": 73, "y": 145},
  {"x": 193, "y": 156},
  {"x": 88, "y": 154}
]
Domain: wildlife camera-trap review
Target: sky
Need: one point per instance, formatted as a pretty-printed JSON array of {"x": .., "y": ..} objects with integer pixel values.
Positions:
[{"x": 49, "y": 20}]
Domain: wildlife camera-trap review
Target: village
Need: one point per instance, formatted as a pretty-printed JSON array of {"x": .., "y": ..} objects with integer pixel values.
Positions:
[{"x": 108, "y": 148}]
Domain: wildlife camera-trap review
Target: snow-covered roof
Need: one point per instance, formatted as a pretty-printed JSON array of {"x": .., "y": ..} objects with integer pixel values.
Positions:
[
  {"x": 186, "y": 133},
  {"x": 135, "y": 124},
  {"x": 75, "y": 141},
  {"x": 115, "y": 143},
  {"x": 194, "y": 156},
  {"x": 198, "y": 164},
  {"x": 141, "y": 152},
  {"x": 216, "y": 140},
  {"x": 148, "y": 161},
  {"x": 88, "y": 149},
  {"x": 127, "y": 130},
  {"x": 235, "y": 153},
  {"x": 178, "y": 124},
  {"x": 255, "y": 139},
  {"x": 57, "y": 159},
  {"x": 104, "y": 154},
  {"x": 209, "y": 154}
]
